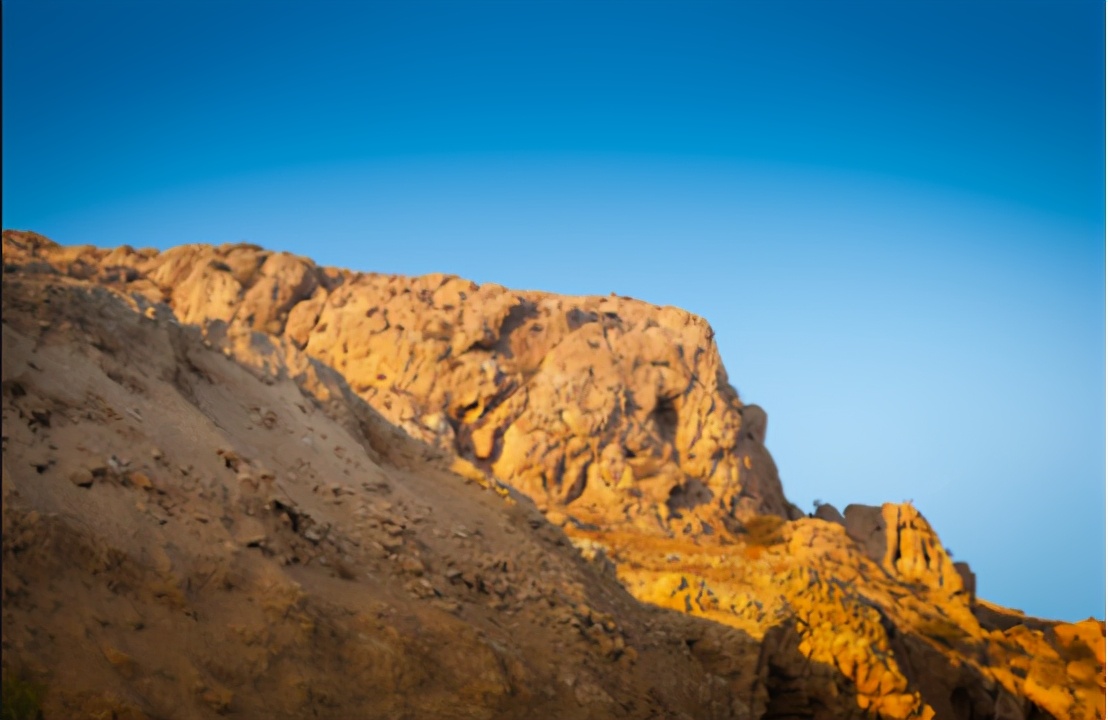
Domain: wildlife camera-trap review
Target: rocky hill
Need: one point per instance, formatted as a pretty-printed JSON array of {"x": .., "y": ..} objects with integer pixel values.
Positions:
[{"x": 237, "y": 483}]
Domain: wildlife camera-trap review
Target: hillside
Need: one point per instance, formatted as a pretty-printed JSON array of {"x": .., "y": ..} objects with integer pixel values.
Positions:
[{"x": 237, "y": 483}]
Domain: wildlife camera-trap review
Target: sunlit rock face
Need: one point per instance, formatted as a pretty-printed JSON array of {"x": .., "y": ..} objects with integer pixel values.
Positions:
[
  {"x": 608, "y": 408},
  {"x": 899, "y": 539},
  {"x": 615, "y": 417},
  {"x": 203, "y": 525}
]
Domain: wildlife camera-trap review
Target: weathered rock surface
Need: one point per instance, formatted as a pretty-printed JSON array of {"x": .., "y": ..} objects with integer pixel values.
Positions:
[
  {"x": 612, "y": 408},
  {"x": 829, "y": 513},
  {"x": 615, "y": 417},
  {"x": 264, "y": 545},
  {"x": 901, "y": 541}
]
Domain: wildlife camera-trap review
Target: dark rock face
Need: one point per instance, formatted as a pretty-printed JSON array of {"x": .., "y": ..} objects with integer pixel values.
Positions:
[
  {"x": 830, "y": 513},
  {"x": 757, "y": 470},
  {"x": 866, "y": 524},
  {"x": 969, "y": 579}
]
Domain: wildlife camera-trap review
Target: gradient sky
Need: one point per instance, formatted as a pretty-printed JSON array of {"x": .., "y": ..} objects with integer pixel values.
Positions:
[{"x": 891, "y": 212}]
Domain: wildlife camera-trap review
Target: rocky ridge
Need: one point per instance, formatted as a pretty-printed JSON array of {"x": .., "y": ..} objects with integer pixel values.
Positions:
[
  {"x": 187, "y": 536},
  {"x": 611, "y": 406},
  {"x": 617, "y": 420}
]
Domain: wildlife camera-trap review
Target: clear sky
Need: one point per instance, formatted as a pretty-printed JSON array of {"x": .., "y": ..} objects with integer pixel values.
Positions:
[{"x": 891, "y": 212}]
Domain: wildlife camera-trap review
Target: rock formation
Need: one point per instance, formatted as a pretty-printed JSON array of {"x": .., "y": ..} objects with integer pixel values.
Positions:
[
  {"x": 612, "y": 407},
  {"x": 420, "y": 496}
]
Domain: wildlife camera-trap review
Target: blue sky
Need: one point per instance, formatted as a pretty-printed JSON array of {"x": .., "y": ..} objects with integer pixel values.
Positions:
[{"x": 892, "y": 213}]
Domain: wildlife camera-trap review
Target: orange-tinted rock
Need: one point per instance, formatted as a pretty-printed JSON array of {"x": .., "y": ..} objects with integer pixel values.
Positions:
[
  {"x": 617, "y": 408},
  {"x": 616, "y": 417},
  {"x": 899, "y": 539}
]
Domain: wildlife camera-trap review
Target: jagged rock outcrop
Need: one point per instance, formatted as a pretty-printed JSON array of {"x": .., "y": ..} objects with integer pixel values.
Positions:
[
  {"x": 900, "y": 540},
  {"x": 969, "y": 579},
  {"x": 189, "y": 533},
  {"x": 844, "y": 633},
  {"x": 829, "y": 513},
  {"x": 614, "y": 416},
  {"x": 609, "y": 407}
]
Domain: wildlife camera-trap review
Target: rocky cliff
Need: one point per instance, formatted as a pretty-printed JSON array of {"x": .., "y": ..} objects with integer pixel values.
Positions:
[{"x": 620, "y": 456}]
